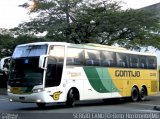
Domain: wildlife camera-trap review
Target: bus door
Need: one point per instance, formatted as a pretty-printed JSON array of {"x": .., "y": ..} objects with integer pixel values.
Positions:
[{"x": 54, "y": 66}]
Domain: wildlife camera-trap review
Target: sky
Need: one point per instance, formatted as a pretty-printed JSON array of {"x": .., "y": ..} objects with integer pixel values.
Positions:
[
  {"x": 11, "y": 15},
  {"x": 135, "y": 4}
]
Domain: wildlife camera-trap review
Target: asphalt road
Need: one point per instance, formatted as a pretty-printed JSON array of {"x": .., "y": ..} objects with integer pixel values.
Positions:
[{"x": 97, "y": 109}]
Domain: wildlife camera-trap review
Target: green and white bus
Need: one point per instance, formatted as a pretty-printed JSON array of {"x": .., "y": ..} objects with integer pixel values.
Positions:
[{"x": 52, "y": 72}]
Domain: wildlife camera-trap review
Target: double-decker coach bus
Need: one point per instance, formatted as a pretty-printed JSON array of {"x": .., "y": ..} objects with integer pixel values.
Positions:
[{"x": 51, "y": 72}]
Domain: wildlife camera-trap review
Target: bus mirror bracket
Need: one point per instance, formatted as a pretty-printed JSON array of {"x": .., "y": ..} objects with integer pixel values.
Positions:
[{"x": 42, "y": 61}]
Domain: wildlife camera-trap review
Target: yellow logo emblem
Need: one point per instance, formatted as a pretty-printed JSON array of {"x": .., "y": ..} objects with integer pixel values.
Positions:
[{"x": 56, "y": 95}]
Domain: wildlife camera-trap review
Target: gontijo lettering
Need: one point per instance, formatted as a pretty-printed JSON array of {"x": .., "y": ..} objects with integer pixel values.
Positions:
[{"x": 124, "y": 73}]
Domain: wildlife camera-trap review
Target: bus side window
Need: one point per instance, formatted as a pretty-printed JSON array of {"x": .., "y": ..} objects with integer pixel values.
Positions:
[
  {"x": 78, "y": 61},
  {"x": 92, "y": 58},
  {"x": 70, "y": 61},
  {"x": 106, "y": 63},
  {"x": 134, "y": 63},
  {"x": 121, "y": 63},
  {"x": 108, "y": 58},
  {"x": 75, "y": 56},
  {"x": 152, "y": 63},
  {"x": 89, "y": 62},
  {"x": 122, "y": 60},
  {"x": 142, "y": 62}
]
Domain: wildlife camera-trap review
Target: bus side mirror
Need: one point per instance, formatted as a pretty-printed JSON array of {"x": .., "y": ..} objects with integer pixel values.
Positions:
[
  {"x": 5, "y": 63},
  {"x": 42, "y": 59}
]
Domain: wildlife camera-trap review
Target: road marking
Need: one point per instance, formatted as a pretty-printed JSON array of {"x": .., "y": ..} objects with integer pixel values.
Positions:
[
  {"x": 145, "y": 104},
  {"x": 149, "y": 110},
  {"x": 120, "y": 111},
  {"x": 4, "y": 99}
]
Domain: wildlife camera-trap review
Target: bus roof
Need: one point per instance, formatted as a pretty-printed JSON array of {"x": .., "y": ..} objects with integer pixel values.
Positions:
[
  {"x": 110, "y": 48},
  {"x": 91, "y": 46},
  {"x": 43, "y": 43}
]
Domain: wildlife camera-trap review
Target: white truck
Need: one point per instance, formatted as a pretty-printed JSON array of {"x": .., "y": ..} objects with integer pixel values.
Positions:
[
  {"x": 4, "y": 64},
  {"x": 4, "y": 67}
]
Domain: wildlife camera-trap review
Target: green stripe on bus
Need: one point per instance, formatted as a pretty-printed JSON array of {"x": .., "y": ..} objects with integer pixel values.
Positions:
[
  {"x": 107, "y": 79},
  {"x": 95, "y": 79},
  {"x": 100, "y": 79}
]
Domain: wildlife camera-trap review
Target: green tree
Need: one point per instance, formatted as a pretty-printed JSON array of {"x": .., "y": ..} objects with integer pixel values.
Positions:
[
  {"x": 103, "y": 22},
  {"x": 67, "y": 20},
  {"x": 6, "y": 41}
]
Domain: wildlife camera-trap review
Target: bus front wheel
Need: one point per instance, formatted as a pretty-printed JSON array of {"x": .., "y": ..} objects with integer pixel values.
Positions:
[
  {"x": 71, "y": 98},
  {"x": 134, "y": 94}
]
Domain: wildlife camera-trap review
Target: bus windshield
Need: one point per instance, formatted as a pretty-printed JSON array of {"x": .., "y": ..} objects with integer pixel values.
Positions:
[
  {"x": 25, "y": 72},
  {"x": 24, "y": 69},
  {"x": 29, "y": 51}
]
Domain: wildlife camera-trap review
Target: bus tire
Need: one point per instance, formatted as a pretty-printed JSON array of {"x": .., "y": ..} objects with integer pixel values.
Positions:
[
  {"x": 142, "y": 94},
  {"x": 134, "y": 94},
  {"x": 71, "y": 98},
  {"x": 41, "y": 105}
]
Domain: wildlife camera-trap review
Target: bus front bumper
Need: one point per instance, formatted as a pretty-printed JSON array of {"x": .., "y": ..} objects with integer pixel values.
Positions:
[{"x": 41, "y": 97}]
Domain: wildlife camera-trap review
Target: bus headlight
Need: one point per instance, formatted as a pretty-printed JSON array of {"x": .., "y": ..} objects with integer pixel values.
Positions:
[
  {"x": 8, "y": 89},
  {"x": 38, "y": 90}
]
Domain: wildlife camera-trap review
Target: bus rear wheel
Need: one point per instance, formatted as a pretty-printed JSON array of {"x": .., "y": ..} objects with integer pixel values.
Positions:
[
  {"x": 134, "y": 94},
  {"x": 71, "y": 98},
  {"x": 142, "y": 94}
]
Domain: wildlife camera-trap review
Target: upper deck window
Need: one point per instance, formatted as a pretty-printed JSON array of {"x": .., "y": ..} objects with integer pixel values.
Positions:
[
  {"x": 57, "y": 51},
  {"x": 122, "y": 60},
  {"x": 92, "y": 57},
  {"x": 152, "y": 62},
  {"x": 75, "y": 56},
  {"x": 30, "y": 51},
  {"x": 108, "y": 59}
]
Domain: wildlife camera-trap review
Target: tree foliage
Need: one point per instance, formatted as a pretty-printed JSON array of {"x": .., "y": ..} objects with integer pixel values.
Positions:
[
  {"x": 5, "y": 42},
  {"x": 8, "y": 41},
  {"x": 89, "y": 21}
]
